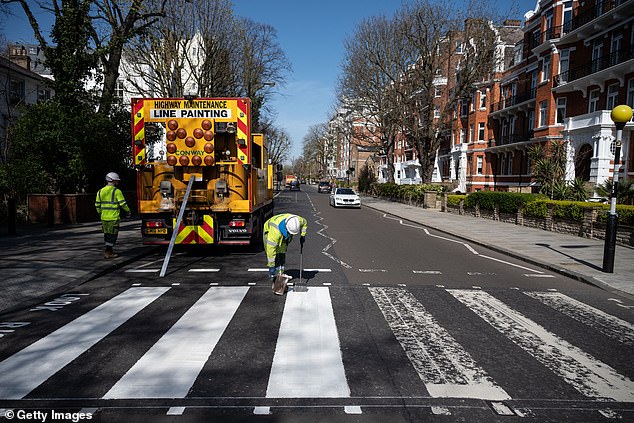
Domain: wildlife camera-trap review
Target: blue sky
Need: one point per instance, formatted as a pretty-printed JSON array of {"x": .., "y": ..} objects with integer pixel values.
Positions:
[{"x": 311, "y": 33}]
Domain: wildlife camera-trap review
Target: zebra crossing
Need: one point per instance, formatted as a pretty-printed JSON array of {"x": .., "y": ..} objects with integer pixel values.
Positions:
[{"x": 302, "y": 352}]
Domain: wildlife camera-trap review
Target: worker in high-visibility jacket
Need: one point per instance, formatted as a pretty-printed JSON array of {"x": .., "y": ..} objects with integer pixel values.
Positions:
[
  {"x": 278, "y": 233},
  {"x": 109, "y": 203}
]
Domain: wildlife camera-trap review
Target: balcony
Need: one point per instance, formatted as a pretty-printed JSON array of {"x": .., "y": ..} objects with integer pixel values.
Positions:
[
  {"x": 614, "y": 65},
  {"x": 511, "y": 104},
  {"x": 596, "y": 17}
]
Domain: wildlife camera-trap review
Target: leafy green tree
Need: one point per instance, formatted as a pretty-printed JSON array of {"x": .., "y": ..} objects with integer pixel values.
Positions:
[{"x": 549, "y": 167}]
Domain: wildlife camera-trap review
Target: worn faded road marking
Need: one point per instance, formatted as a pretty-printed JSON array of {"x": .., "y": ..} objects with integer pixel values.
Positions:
[
  {"x": 443, "y": 365},
  {"x": 585, "y": 373}
]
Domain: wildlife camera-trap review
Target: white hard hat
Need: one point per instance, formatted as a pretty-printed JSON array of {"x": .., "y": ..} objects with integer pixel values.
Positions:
[
  {"x": 112, "y": 176},
  {"x": 292, "y": 225}
]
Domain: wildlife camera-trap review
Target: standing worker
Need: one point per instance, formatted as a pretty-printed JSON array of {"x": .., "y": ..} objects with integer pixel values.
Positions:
[
  {"x": 278, "y": 233},
  {"x": 109, "y": 203}
]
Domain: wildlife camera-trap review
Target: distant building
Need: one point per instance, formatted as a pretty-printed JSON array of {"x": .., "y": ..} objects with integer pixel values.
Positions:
[{"x": 18, "y": 86}]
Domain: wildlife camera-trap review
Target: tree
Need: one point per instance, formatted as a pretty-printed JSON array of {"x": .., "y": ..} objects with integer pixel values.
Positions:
[
  {"x": 200, "y": 47},
  {"x": 434, "y": 31},
  {"x": 374, "y": 62},
  {"x": 279, "y": 143},
  {"x": 319, "y": 148}
]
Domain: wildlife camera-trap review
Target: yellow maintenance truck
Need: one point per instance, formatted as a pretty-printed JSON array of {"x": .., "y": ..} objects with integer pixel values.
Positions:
[{"x": 214, "y": 183}]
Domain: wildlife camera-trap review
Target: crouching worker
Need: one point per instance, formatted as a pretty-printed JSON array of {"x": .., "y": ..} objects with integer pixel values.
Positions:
[{"x": 278, "y": 233}]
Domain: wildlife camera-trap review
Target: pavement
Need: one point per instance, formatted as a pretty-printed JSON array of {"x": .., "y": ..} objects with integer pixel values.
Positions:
[{"x": 49, "y": 261}]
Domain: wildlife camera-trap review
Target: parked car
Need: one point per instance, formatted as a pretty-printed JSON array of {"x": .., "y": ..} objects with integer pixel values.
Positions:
[
  {"x": 324, "y": 186},
  {"x": 294, "y": 185},
  {"x": 345, "y": 197}
]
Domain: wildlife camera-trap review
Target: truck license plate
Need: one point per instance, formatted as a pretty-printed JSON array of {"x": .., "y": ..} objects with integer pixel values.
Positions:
[{"x": 156, "y": 231}]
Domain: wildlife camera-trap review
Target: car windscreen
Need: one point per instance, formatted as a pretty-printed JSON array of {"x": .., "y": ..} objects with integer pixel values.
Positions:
[{"x": 346, "y": 191}]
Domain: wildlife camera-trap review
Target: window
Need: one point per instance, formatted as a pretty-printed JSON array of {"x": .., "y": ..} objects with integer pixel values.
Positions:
[
  {"x": 561, "y": 110},
  {"x": 531, "y": 120},
  {"x": 546, "y": 68},
  {"x": 509, "y": 169},
  {"x": 43, "y": 94},
  {"x": 479, "y": 165},
  {"x": 543, "y": 113},
  {"x": 437, "y": 92},
  {"x": 458, "y": 47},
  {"x": 483, "y": 100},
  {"x": 461, "y": 136},
  {"x": 464, "y": 108},
  {"x": 119, "y": 88},
  {"x": 567, "y": 17},
  {"x": 517, "y": 53},
  {"x": 503, "y": 164},
  {"x": 436, "y": 112},
  {"x": 471, "y": 134},
  {"x": 564, "y": 64},
  {"x": 16, "y": 91},
  {"x": 613, "y": 96},
  {"x": 593, "y": 101},
  {"x": 481, "y": 131},
  {"x": 630, "y": 93},
  {"x": 597, "y": 53},
  {"x": 615, "y": 48}
]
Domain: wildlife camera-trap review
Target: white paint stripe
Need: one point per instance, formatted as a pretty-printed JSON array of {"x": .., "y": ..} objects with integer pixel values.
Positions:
[
  {"x": 530, "y": 275},
  {"x": 372, "y": 270},
  {"x": 307, "y": 361},
  {"x": 175, "y": 411},
  {"x": 171, "y": 366},
  {"x": 442, "y": 364},
  {"x": 352, "y": 409},
  {"x": 318, "y": 270},
  {"x": 427, "y": 272},
  {"x": 609, "y": 325},
  {"x": 262, "y": 411},
  {"x": 510, "y": 264},
  {"x": 585, "y": 373},
  {"x": 142, "y": 270},
  {"x": 258, "y": 269},
  {"x": 204, "y": 270},
  {"x": 25, "y": 370}
]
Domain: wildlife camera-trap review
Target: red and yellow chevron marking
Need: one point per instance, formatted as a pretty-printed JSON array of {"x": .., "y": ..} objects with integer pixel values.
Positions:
[
  {"x": 243, "y": 131},
  {"x": 196, "y": 234},
  {"x": 138, "y": 133}
]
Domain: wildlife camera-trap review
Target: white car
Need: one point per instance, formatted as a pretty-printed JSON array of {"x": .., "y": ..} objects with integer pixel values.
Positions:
[{"x": 345, "y": 197}]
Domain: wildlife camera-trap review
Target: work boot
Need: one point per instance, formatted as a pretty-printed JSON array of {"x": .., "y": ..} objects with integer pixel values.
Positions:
[
  {"x": 110, "y": 254},
  {"x": 279, "y": 286}
]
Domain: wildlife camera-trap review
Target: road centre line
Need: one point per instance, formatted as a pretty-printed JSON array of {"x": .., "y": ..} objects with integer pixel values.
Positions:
[{"x": 30, "y": 367}]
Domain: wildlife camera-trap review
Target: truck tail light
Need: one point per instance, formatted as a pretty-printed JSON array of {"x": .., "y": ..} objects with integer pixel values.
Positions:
[{"x": 237, "y": 224}]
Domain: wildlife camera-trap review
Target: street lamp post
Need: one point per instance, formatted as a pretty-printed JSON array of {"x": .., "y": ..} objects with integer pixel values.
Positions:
[{"x": 620, "y": 116}]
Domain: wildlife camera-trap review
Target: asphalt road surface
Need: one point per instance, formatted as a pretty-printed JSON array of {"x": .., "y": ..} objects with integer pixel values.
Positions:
[{"x": 390, "y": 322}]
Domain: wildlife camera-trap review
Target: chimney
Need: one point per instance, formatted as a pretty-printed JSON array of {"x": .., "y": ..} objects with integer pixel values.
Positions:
[
  {"x": 512, "y": 23},
  {"x": 19, "y": 56}
]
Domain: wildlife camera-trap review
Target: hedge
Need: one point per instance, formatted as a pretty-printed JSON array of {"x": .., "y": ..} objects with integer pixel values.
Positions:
[
  {"x": 406, "y": 192},
  {"x": 508, "y": 202}
]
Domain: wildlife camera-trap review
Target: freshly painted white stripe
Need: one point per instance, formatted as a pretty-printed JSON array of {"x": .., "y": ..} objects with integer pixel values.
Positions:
[
  {"x": 262, "y": 411},
  {"x": 427, "y": 272},
  {"x": 258, "y": 269},
  {"x": 25, "y": 370},
  {"x": 585, "y": 373},
  {"x": 171, "y": 366},
  {"x": 531, "y": 275},
  {"x": 142, "y": 270},
  {"x": 372, "y": 270},
  {"x": 352, "y": 409},
  {"x": 307, "y": 360},
  {"x": 175, "y": 411},
  {"x": 605, "y": 323},
  {"x": 318, "y": 270},
  {"x": 442, "y": 364},
  {"x": 204, "y": 270}
]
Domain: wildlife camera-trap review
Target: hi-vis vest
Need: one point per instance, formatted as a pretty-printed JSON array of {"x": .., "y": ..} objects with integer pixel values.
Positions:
[
  {"x": 109, "y": 201},
  {"x": 274, "y": 241}
]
